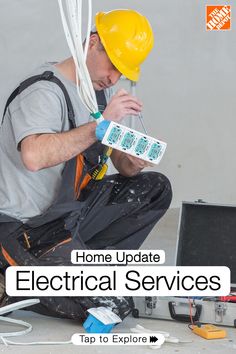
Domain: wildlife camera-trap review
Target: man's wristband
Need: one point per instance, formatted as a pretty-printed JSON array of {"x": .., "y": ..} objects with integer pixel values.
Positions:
[{"x": 101, "y": 129}]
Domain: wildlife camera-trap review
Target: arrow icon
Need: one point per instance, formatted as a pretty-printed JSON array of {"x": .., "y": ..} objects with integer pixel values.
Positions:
[{"x": 153, "y": 339}]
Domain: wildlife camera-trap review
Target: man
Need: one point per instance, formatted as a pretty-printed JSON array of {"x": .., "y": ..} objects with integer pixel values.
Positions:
[{"x": 50, "y": 203}]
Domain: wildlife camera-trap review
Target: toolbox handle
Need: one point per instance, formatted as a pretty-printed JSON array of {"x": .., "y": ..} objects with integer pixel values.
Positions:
[{"x": 184, "y": 318}]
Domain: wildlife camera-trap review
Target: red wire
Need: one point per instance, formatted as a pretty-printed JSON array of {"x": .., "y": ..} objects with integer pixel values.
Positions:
[{"x": 190, "y": 311}]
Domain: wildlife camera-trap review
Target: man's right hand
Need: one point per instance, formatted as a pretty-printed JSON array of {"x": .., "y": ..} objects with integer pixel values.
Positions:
[{"x": 121, "y": 105}]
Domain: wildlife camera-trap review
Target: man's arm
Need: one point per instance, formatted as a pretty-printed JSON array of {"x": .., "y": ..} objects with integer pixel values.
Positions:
[
  {"x": 40, "y": 151},
  {"x": 45, "y": 150}
]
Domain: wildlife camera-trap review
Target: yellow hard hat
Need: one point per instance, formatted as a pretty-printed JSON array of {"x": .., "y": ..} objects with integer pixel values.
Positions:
[{"x": 127, "y": 38}]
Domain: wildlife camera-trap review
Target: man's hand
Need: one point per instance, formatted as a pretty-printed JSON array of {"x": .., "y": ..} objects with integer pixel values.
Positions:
[
  {"x": 122, "y": 104},
  {"x": 128, "y": 165},
  {"x": 138, "y": 163}
]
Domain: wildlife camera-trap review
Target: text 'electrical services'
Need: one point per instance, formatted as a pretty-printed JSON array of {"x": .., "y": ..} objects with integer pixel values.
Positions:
[{"x": 117, "y": 281}]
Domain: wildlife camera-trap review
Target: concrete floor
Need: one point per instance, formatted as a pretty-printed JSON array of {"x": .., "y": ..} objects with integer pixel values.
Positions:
[{"x": 51, "y": 329}]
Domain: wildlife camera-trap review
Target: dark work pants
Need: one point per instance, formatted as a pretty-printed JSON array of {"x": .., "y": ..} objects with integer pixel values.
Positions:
[{"x": 118, "y": 213}]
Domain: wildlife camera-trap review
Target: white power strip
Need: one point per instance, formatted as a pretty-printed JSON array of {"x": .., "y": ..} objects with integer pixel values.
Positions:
[{"x": 134, "y": 143}]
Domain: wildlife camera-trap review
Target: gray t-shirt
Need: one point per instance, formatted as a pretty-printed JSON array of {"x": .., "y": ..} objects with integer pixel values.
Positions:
[{"x": 41, "y": 108}]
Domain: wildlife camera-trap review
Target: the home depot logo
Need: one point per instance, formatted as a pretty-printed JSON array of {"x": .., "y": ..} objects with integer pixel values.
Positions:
[{"x": 218, "y": 17}]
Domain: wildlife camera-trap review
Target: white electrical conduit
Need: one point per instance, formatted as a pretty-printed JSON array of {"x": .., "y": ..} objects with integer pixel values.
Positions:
[{"x": 72, "y": 25}]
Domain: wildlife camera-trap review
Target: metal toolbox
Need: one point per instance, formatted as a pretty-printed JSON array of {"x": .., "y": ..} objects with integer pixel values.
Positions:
[
  {"x": 177, "y": 308},
  {"x": 206, "y": 237}
]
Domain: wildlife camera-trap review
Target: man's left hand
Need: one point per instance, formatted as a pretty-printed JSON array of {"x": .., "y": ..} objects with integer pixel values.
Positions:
[
  {"x": 139, "y": 163},
  {"x": 128, "y": 165}
]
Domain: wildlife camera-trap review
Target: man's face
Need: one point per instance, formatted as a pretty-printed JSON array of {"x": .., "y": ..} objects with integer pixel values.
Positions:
[{"x": 102, "y": 72}]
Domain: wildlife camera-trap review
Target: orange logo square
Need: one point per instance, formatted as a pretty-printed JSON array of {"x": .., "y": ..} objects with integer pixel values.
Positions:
[{"x": 218, "y": 17}]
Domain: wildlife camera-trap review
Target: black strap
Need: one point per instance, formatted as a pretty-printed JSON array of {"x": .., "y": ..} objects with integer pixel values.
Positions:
[
  {"x": 47, "y": 76},
  {"x": 101, "y": 100},
  {"x": 96, "y": 151}
]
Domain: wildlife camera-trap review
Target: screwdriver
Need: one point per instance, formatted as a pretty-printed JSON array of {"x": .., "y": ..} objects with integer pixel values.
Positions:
[{"x": 142, "y": 122}]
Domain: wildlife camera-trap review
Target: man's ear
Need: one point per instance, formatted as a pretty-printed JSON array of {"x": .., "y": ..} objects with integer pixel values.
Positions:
[{"x": 93, "y": 40}]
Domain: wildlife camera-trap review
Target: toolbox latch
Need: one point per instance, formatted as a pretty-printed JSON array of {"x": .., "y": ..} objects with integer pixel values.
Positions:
[
  {"x": 220, "y": 310},
  {"x": 150, "y": 304}
]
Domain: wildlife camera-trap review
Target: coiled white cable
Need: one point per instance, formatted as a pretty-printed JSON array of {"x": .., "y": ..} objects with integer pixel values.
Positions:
[{"x": 17, "y": 306}]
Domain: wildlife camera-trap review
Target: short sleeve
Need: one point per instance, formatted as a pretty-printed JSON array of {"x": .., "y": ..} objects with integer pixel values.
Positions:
[{"x": 35, "y": 112}]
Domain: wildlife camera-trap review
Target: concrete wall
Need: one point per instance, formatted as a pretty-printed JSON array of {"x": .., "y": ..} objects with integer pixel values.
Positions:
[{"x": 187, "y": 84}]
